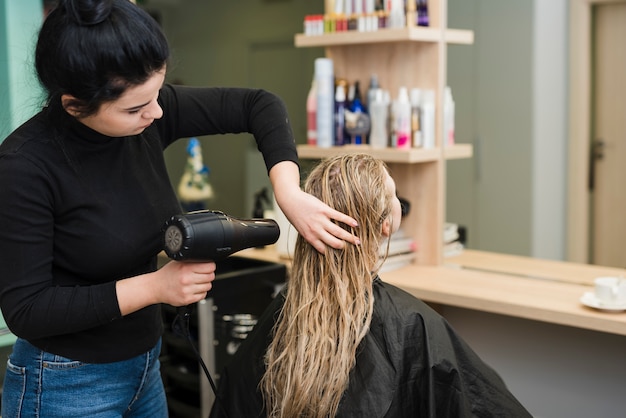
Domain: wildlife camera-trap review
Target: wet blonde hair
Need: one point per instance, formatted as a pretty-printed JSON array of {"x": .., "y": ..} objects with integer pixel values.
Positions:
[{"x": 329, "y": 303}]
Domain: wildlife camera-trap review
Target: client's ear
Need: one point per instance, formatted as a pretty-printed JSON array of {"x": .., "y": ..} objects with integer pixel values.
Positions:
[{"x": 387, "y": 227}]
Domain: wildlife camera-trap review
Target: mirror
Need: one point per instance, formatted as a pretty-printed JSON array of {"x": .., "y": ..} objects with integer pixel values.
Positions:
[{"x": 511, "y": 92}]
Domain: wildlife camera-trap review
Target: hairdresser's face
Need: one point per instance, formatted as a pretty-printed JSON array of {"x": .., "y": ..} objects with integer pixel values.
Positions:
[
  {"x": 396, "y": 209},
  {"x": 132, "y": 112}
]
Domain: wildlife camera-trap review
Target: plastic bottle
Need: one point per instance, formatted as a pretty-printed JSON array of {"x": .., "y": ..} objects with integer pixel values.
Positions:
[
  {"x": 356, "y": 106},
  {"x": 428, "y": 119},
  {"x": 416, "y": 118},
  {"x": 325, "y": 82},
  {"x": 448, "y": 115},
  {"x": 397, "y": 16},
  {"x": 402, "y": 119},
  {"x": 379, "y": 115},
  {"x": 422, "y": 13},
  {"x": 311, "y": 115},
  {"x": 372, "y": 90},
  {"x": 340, "y": 115}
]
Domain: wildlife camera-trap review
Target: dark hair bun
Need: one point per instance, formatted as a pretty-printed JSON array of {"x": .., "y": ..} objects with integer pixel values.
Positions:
[{"x": 88, "y": 12}]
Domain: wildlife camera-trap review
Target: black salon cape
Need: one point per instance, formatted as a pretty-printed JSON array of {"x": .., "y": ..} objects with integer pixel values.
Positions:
[{"x": 410, "y": 364}]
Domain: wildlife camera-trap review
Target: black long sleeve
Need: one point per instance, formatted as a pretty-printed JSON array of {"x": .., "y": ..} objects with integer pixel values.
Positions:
[{"x": 80, "y": 211}]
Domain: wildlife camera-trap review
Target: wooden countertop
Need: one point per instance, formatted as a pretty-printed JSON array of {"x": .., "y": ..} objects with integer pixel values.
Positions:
[{"x": 523, "y": 287}]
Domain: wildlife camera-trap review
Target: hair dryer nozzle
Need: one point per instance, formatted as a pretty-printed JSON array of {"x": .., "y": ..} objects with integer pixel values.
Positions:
[{"x": 209, "y": 235}]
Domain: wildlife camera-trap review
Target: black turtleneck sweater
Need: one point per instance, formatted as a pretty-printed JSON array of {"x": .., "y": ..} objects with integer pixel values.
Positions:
[{"x": 80, "y": 210}]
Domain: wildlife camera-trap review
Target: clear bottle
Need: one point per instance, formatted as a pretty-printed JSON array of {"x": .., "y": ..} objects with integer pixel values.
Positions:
[
  {"x": 416, "y": 118},
  {"x": 372, "y": 90},
  {"x": 311, "y": 115},
  {"x": 379, "y": 115}
]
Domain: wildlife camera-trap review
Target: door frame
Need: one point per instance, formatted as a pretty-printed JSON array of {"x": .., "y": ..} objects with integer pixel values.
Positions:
[{"x": 580, "y": 114}]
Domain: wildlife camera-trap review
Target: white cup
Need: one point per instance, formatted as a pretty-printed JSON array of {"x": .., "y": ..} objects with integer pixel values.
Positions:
[{"x": 610, "y": 290}]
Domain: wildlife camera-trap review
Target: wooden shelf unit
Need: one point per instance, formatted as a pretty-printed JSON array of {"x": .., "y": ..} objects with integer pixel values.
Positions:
[{"x": 404, "y": 57}]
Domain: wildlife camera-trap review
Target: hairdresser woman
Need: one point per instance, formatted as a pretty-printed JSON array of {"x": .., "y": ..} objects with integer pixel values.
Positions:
[{"x": 83, "y": 195}]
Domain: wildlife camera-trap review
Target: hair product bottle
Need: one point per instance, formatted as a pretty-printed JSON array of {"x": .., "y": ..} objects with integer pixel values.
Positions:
[
  {"x": 428, "y": 120},
  {"x": 379, "y": 115},
  {"x": 356, "y": 106},
  {"x": 340, "y": 115},
  {"x": 402, "y": 119},
  {"x": 416, "y": 118},
  {"x": 448, "y": 115},
  {"x": 311, "y": 114},
  {"x": 325, "y": 82}
]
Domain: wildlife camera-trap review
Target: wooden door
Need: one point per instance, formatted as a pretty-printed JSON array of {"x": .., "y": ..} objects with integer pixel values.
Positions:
[{"x": 608, "y": 211}]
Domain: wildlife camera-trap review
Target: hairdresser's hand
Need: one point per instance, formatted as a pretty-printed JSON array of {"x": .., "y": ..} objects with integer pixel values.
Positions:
[
  {"x": 313, "y": 220},
  {"x": 176, "y": 284},
  {"x": 309, "y": 215},
  {"x": 186, "y": 283}
]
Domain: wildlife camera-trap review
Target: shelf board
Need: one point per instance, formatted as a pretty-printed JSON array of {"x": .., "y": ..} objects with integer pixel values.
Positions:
[
  {"x": 390, "y": 155},
  {"x": 458, "y": 151},
  {"x": 407, "y": 34}
]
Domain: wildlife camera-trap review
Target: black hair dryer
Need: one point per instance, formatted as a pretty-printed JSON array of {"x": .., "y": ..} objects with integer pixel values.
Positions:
[{"x": 209, "y": 235}]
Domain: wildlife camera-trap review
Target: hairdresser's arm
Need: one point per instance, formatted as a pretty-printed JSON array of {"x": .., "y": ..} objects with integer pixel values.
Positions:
[
  {"x": 310, "y": 216},
  {"x": 207, "y": 111}
]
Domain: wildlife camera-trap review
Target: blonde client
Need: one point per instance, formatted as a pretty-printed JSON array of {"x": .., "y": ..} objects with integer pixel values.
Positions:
[{"x": 338, "y": 341}]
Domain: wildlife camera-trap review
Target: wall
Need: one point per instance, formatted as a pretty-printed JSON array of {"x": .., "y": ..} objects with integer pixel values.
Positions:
[{"x": 20, "y": 94}]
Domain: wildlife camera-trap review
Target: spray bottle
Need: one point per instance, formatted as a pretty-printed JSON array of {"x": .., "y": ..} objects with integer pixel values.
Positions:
[{"x": 402, "y": 119}]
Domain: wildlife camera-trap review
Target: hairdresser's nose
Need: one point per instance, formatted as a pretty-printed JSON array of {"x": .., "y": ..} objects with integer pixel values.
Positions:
[{"x": 153, "y": 111}]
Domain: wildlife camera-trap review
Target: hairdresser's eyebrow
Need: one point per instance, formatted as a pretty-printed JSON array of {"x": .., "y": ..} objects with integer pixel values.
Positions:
[{"x": 131, "y": 109}]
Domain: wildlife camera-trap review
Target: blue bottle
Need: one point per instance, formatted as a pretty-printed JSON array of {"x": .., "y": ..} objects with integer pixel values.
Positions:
[{"x": 357, "y": 106}]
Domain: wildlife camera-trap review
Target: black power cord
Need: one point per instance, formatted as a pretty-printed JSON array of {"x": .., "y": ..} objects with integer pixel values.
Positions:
[{"x": 180, "y": 326}]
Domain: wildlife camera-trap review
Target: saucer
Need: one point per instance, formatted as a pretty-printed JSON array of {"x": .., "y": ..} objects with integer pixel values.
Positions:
[{"x": 589, "y": 299}]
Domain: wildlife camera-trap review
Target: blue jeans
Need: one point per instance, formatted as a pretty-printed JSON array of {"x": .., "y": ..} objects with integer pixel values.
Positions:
[{"x": 40, "y": 384}]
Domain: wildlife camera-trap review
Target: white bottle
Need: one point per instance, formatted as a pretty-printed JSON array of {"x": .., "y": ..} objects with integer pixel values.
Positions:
[
  {"x": 448, "y": 117},
  {"x": 402, "y": 119},
  {"x": 428, "y": 119},
  {"x": 379, "y": 114},
  {"x": 325, "y": 82},
  {"x": 397, "y": 17}
]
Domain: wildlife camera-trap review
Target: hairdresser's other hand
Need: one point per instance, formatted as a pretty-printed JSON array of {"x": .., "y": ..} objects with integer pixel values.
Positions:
[
  {"x": 176, "y": 284},
  {"x": 310, "y": 216}
]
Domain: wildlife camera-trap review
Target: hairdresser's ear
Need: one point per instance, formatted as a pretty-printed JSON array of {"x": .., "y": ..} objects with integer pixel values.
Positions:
[
  {"x": 387, "y": 227},
  {"x": 69, "y": 104}
]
